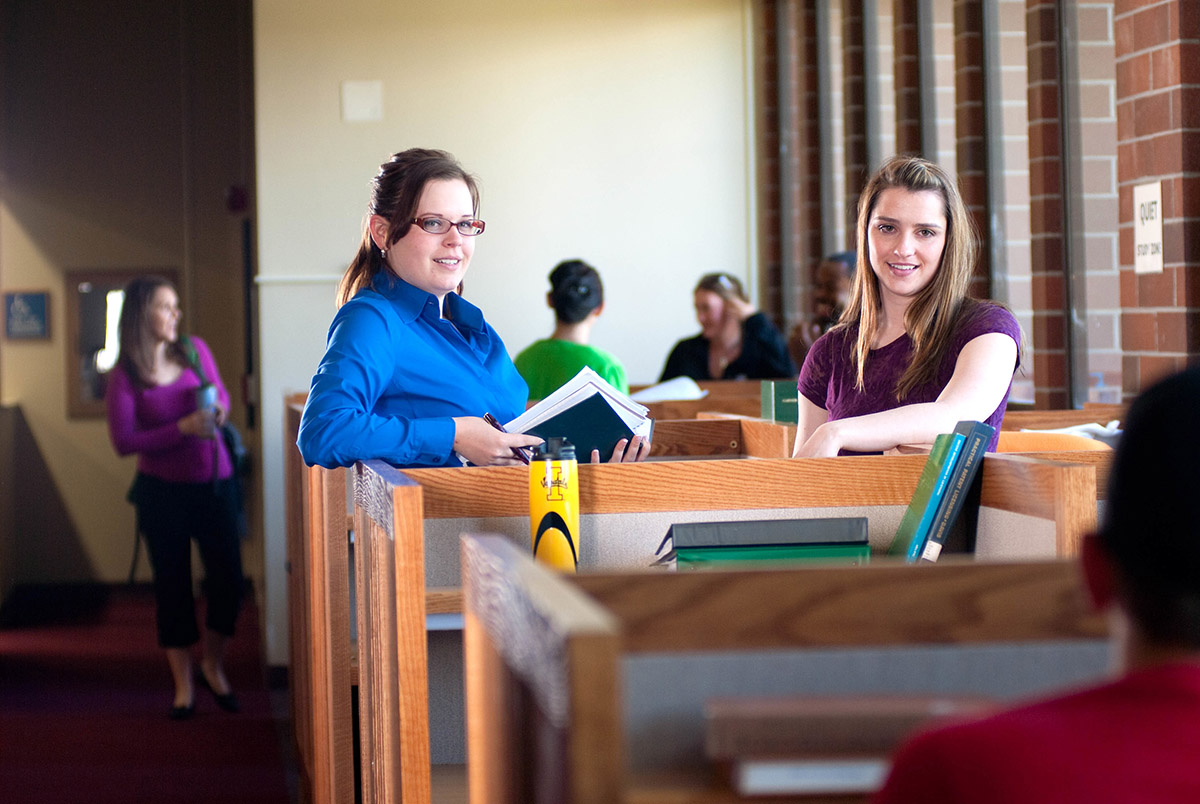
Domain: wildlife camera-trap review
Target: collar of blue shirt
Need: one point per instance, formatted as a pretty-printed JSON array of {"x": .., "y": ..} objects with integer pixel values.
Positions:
[{"x": 411, "y": 300}]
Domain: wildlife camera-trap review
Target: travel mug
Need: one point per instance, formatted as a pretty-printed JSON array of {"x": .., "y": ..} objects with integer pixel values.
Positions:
[
  {"x": 206, "y": 401},
  {"x": 554, "y": 504}
]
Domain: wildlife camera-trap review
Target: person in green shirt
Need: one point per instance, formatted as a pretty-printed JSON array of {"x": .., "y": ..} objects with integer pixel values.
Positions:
[{"x": 577, "y": 297}]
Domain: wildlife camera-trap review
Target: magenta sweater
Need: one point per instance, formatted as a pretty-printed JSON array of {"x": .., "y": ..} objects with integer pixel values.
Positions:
[
  {"x": 827, "y": 378},
  {"x": 143, "y": 421}
]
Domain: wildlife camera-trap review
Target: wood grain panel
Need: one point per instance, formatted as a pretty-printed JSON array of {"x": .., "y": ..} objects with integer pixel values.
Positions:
[
  {"x": 1029, "y": 484},
  {"x": 689, "y": 408},
  {"x": 411, "y": 645},
  {"x": 767, "y": 439},
  {"x": 443, "y": 600},
  {"x": 696, "y": 437},
  {"x": 329, "y": 676},
  {"x": 377, "y": 706},
  {"x": 887, "y": 604},
  {"x": 295, "y": 524},
  {"x": 1101, "y": 459},
  {"x": 878, "y": 604},
  {"x": 687, "y": 485},
  {"x": 1054, "y": 419},
  {"x": 563, "y": 650}
]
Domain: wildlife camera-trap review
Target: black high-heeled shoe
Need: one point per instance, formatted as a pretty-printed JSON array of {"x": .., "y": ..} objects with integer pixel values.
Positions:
[
  {"x": 182, "y": 712},
  {"x": 228, "y": 701}
]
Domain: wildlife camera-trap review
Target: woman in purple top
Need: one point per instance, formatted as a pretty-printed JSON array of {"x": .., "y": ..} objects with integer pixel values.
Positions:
[
  {"x": 184, "y": 488},
  {"x": 911, "y": 355}
]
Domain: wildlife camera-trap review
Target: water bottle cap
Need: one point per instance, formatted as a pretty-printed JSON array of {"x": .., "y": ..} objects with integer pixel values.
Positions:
[
  {"x": 555, "y": 448},
  {"x": 206, "y": 396}
]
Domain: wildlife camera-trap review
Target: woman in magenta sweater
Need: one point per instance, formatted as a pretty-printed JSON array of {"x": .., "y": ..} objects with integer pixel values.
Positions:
[
  {"x": 184, "y": 488},
  {"x": 912, "y": 354}
]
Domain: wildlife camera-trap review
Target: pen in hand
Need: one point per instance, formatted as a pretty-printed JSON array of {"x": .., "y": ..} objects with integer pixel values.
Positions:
[{"x": 519, "y": 454}]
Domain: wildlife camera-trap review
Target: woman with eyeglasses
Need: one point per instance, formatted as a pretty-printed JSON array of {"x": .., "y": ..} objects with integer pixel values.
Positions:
[
  {"x": 412, "y": 372},
  {"x": 911, "y": 355},
  {"x": 410, "y": 367},
  {"x": 577, "y": 298},
  {"x": 735, "y": 341}
]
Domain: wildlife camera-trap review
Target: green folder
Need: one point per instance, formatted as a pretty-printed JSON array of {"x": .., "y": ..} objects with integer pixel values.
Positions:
[
  {"x": 728, "y": 557},
  {"x": 696, "y": 545}
]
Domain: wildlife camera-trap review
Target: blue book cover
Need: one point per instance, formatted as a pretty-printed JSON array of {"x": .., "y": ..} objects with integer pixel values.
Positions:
[{"x": 915, "y": 523}]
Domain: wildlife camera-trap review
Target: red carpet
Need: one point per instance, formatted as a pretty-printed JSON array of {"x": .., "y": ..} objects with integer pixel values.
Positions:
[{"x": 84, "y": 692}]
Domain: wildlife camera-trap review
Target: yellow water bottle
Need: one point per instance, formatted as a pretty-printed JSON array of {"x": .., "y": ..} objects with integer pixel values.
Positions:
[{"x": 554, "y": 504}]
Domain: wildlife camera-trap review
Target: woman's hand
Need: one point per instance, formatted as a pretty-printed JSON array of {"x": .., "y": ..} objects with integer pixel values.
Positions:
[
  {"x": 222, "y": 415},
  {"x": 738, "y": 310},
  {"x": 197, "y": 423},
  {"x": 627, "y": 451},
  {"x": 484, "y": 445}
]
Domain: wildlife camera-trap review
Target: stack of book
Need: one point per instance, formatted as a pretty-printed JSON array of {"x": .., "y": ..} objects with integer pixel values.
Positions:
[
  {"x": 941, "y": 491},
  {"x": 587, "y": 411},
  {"x": 694, "y": 545},
  {"x": 827, "y": 746}
]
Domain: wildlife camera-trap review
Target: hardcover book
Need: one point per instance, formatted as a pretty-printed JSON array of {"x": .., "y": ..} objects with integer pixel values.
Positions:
[
  {"x": 780, "y": 401},
  {"x": 914, "y": 525},
  {"x": 587, "y": 411},
  {"x": 977, "y": 436}
]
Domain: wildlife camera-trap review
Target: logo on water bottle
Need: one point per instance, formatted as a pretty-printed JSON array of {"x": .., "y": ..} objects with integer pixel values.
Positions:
[
  {"x": 555, "y": 486},
  {"x": 555, "y": 529}
]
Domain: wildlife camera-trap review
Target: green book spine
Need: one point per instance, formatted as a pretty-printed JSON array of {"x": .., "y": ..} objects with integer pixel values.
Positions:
[
  {"x": 914, "y": 525},
  {"x": 780, "y": 401},
  {"x": 715, "y": 557}
]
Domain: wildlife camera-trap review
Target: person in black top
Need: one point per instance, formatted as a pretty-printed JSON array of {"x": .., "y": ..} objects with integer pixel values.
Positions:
[{"x": 735, "y": 341}]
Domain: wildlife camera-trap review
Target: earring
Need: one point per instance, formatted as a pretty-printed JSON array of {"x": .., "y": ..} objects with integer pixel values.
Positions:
[{"x": 383, "y": 253}]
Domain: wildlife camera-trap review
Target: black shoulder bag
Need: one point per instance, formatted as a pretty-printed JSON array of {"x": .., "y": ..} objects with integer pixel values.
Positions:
[{"x": 229, "y": 434}]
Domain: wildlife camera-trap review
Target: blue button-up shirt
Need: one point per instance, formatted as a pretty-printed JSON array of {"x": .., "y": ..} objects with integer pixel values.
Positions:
[{"x": 395, "y": 372}]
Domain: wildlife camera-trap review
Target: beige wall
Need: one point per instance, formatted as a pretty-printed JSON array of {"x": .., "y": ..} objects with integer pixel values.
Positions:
[
  {"x": 617, "y": 131},
  {"x": 94, "y": 532}
]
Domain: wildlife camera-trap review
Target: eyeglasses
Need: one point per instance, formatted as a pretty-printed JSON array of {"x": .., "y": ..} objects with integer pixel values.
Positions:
[{"x": 441, "y": 226}]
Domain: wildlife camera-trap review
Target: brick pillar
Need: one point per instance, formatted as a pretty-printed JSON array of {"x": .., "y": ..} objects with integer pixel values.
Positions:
[
  {"x": 1158, "y": 139},
  {"x": 793, "y": 45},
  {"x": 1048, "y": 289},
  {"x": 971, "y": 127},
  {"x": 908, "y": 77},
  {"x": 767, "y": 183},
  {"x": 808, "y": 209},
  {"x": 853, "y": 106}
]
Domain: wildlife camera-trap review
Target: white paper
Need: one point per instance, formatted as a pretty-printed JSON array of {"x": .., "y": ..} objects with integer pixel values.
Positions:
[
  {"x": 1108, "y": 433},
  {"x": 675, "y": 388},
  {"x": 575, "y": 390},
  {"x": 829, "y": 776}
]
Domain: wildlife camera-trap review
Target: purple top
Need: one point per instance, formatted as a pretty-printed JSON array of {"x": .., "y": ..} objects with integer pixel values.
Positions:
[
  {"x": 144, "y": 420},
  {"x": 827, "y": 377}
]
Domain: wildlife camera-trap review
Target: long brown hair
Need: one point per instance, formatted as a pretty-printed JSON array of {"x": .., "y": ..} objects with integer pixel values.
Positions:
[
  {"x": 395, "y": 193},
  {"x": 136, "y": 354},
  {"x": 933, "y": 313}
]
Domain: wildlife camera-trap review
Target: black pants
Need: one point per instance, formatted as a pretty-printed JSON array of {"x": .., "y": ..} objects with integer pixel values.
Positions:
[{"x": 170, "y": 516}]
